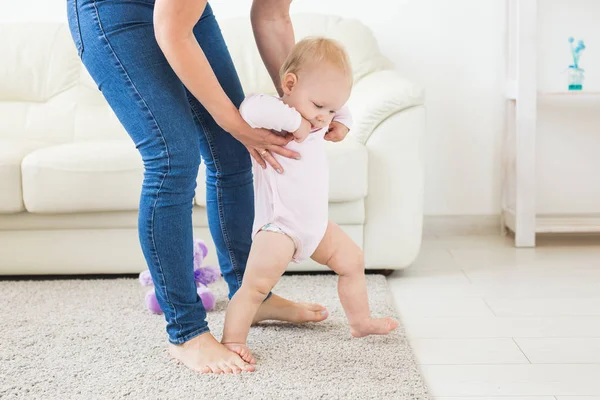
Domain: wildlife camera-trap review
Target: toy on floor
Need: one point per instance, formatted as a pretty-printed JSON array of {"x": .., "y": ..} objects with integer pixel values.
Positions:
[{"x": 203, "y": 276}]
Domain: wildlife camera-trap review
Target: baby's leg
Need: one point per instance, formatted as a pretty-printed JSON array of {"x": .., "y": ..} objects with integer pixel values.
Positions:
[
  {"x": 269, "y": 256},
  {"x": 345, "y": 258}
]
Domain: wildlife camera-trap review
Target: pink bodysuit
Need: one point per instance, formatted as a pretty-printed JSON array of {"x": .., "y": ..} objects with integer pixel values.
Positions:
[{"x": 295, "y": 202}]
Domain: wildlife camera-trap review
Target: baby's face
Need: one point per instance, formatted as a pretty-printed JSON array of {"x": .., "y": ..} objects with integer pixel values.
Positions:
[{"x": 317, "y": 93}]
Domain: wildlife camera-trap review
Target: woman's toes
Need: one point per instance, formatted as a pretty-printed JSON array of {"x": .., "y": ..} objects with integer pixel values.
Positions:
[
  {"x": 313, "y": 312},
  {"x": 314, "y": 307},
  {"x": 225, "y": 368},
  {"x": 206, "y": 369},
  {"x": 234, "y": 367}
]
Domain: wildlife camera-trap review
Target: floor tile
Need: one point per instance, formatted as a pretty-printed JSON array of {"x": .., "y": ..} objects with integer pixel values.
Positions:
[
  {"x": 433, "y": 257},
  {"x": 467, "y": 351},
  {"x": 501, "y": 327},
  {"x": 505, "y": 398},
  {"x": 561, "y": 350},
  {"x": 512, "y": 380},
  {"x": 504, "y": 307},
  {"x": 576, "y": 398},
  {"x": 551, "y": 276},
  {"x": 442, "y": 307}
]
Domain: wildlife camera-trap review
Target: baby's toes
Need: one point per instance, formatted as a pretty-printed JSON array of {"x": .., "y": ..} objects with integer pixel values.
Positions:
[
  {"x": 391, "y": 323},
  {"x": 242, "y": 365},
  {"x": 246, "y": 355}
]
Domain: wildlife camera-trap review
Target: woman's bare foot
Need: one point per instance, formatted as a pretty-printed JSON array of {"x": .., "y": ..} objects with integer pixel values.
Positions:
[
  {"x": 205, "y": 354},
  {"x": 374, "y": 326},
  {"x": 242, "y": 350},
  {"x": 279, "y": 309}
]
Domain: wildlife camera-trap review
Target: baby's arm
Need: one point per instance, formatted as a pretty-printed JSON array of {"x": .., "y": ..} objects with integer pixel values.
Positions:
[
  {"x": 343, "y": 116},
  {"x": 340, "y": 126},
  {"x": 268, "y": 112}
]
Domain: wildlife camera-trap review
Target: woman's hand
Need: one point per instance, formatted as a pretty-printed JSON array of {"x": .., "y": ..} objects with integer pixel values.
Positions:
[
  {"x": 337, "y": 132},
  {"x": 261, "y": 143}
]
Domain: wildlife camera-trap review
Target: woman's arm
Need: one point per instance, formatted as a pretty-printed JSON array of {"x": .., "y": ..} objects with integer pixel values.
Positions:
[
  {"x": 173, "y": 26},
  {"x": 273, "y": 33}
]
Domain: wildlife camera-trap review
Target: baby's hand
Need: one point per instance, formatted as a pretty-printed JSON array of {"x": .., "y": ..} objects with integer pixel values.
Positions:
[
  {"x": 337, "y": 132},
  {"x": 302, "y": 133}
]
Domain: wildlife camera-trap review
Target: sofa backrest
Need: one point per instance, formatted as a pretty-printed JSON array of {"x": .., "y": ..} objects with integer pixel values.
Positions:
[
  {"x": 47, "y": 95},
  {"x": 358, "y": 40}
]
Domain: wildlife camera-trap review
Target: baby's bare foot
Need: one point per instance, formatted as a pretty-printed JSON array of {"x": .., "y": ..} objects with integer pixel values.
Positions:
[
  {"x": 242, "y": 350},
  {"x": 374, "y": 326},
  {"x": 279, "y": 309},
  {"x": 205, "y": 354}
]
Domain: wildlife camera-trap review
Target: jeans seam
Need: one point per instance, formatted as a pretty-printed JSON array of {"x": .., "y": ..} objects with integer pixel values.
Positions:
[
  {"x": 79, "y": 37},
  {"x": 232, "y": 258},
  {"x": 164, "y": 175}
]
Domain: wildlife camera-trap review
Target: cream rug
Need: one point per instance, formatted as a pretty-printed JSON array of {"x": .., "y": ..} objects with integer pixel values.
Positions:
[{"x": 93, "y": 339}]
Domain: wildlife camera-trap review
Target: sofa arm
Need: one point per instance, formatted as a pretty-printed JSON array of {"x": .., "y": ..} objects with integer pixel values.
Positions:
[
  {"x": 377, "y": 97},
  {"x": 394, "y": 203}
]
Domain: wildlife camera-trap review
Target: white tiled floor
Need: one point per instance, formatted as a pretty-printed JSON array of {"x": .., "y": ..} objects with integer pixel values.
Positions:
[{"x": 488, "y": 321}]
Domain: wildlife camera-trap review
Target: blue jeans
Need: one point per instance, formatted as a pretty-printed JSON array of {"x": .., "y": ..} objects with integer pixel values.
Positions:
[{"x": 172, "y": 131}]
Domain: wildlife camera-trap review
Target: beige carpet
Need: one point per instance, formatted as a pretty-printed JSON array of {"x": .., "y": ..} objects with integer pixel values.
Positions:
[{"x": 93, "y": 339}]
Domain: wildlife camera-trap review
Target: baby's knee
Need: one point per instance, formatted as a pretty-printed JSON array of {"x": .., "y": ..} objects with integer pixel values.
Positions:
[
  {"x": 350, "y": 261},
  {"x": 257, "y": 289}
]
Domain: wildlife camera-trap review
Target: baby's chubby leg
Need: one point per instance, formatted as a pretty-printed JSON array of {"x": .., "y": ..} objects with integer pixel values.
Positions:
[
  {"x": 269, "y": 256},
  {"x": 345, "y": 258}
]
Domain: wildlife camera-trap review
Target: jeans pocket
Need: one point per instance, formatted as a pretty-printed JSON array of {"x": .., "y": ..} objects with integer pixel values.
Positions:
[{"x": 74, "y": 27}]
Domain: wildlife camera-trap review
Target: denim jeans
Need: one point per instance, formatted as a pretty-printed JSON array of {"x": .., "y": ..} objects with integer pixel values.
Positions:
[{"x": 172, "y": 131}]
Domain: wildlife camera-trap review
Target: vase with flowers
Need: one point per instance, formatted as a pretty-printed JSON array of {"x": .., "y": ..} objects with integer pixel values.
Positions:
[{"x": 575, "y": 72}]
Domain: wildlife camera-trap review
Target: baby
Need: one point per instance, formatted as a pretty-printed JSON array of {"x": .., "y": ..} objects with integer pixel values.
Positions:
[{"x": 291, "y": 209}]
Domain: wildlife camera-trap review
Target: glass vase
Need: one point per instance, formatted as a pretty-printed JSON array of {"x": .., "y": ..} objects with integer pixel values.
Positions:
[{"x": 575, "y": 79}]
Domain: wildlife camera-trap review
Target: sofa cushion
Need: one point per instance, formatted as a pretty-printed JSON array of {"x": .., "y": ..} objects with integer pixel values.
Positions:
[
  {"x": 350, "y": 213},
  {"x": 107, "y": 176},
  {"x": 347, "y": 170},
  {"x": 12, "y": 153},
  {"x": 78, "y": 177}
]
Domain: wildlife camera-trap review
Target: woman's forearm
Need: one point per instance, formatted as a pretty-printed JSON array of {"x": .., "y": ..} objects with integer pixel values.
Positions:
[
  {"x": 173, "y": 24},
  {"x": 273, "y": 33}
]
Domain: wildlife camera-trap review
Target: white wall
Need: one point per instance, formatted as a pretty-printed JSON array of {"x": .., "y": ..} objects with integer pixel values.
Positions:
[{"x": 457, "y": 50}]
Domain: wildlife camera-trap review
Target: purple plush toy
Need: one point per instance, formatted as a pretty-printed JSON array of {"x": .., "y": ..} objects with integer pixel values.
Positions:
[{"x": 203, "y": 276}]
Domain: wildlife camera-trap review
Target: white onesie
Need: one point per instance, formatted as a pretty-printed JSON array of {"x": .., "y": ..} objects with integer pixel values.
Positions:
[{"x": 296, "y": 202}]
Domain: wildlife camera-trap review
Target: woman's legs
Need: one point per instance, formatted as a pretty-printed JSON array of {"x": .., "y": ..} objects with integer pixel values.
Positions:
[
  {"x": 116, "y": 42},
  {"x": 123, "y": 58}
]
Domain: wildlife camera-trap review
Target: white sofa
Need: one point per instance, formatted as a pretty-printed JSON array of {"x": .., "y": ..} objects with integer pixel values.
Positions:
[{"x": 70, "y": 177}]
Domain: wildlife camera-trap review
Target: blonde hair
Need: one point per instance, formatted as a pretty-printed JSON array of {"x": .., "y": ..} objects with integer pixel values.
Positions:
[{"x": 315, "y": 50}]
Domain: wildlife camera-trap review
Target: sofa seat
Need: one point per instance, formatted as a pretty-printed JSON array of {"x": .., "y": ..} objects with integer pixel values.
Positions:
[
  {"x": 107, "y": 176},
  {"x": 12, "y": 152}
]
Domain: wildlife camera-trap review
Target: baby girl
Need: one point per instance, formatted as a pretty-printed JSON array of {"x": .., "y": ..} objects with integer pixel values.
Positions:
[{"x": 291, "y": 221}]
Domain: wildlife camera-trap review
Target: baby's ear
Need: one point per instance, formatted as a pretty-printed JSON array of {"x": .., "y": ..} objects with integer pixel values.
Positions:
[{"x": 289, "y": 81}]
